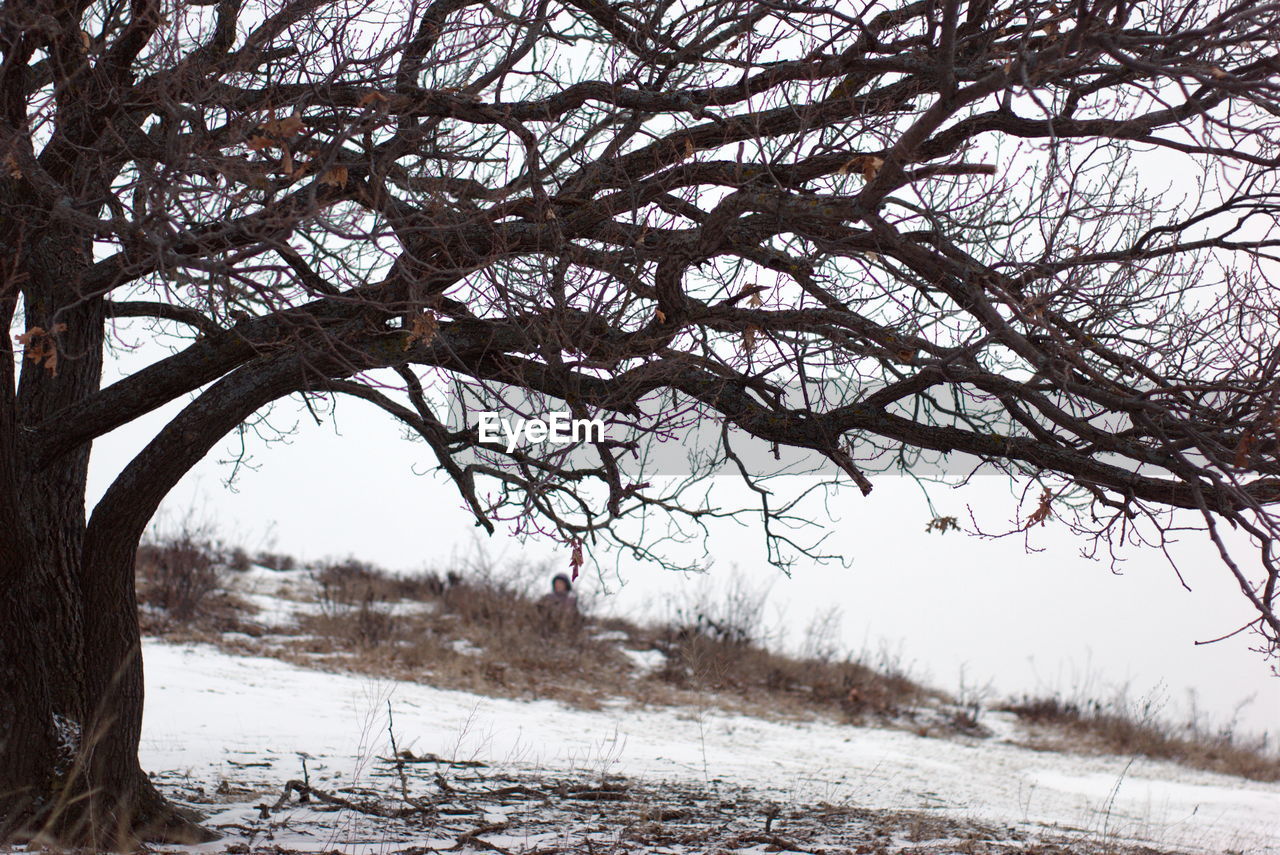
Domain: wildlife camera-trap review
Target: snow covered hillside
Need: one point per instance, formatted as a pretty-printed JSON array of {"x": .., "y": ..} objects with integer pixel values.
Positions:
[{"x": 239, "y": 727}]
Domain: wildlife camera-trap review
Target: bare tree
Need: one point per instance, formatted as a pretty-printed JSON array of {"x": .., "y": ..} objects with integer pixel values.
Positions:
[{"x": 1014, "y": 235}]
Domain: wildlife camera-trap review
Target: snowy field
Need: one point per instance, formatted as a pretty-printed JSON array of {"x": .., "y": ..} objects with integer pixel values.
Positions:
[{"x": 217, "y": 722}]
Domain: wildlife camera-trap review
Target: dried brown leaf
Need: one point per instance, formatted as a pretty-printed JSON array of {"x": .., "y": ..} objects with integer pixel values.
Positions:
[
  {"x": 335, "y": 176},
  {"x": 283, "y": 128},
  {"x": 942, "y": 525},
  {"x": 1043, "y": 510},
  {"x": 423, "y": 329},
  {"x": 868, "y": 164},
  {"x": 40, "y": 348},
  {"x": 871, "y": 166},
  {"x": 1244, "y": 448},
  {"x": 576, "y": 558}
]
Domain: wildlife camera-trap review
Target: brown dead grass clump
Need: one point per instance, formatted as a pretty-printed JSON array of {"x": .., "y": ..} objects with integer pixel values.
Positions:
[
  {"x": 699, "y": 657},
  {"x": 473, "y": 628},
  {"x": 719, "y": 642},
  {"x": 1115, "y": 727}
]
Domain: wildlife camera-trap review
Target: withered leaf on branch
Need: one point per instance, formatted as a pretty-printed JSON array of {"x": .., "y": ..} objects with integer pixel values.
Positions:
[
  {"x": 868, "y": 164},
  {"x": 1043, "y": 510},
  {"x": 747, "y": 291},
  {"x": 334, "y": 176},
  {"x": 423, "y": 329},
  {"x": 275, "y": 133},
  {"x": 575, "y": 557},
  {"x": 942, "y": 525},
  {"x": 1244, "y": 449},
  {"x": 40, "y": 347},
  {"x": 283, "y": 128}
]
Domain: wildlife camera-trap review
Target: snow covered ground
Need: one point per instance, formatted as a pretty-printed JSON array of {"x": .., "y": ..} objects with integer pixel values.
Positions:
[{"x": 214, "y": 717}]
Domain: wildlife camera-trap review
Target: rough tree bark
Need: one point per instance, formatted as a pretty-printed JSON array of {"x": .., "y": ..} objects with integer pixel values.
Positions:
[{"x": 73, "y": 653}]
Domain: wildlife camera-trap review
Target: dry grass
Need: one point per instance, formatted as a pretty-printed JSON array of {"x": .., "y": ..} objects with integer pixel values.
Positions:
[
  {"x": 717, "y": 641},
  {"x": 476, "y": 627},
  {"x": 703, "y": 658},
  {"x": 349, "y": 581},
  {"x": 1118, "y": 727},
  {"x": 471, "y": 628},
  {"x": 480, "y": 630}
]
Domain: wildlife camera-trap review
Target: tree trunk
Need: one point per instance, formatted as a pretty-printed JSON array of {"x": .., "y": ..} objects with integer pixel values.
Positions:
[
  {"x": 124, "y": 805},
  {"x": 70, "y": 711},
  {"x": 43, "y": 518},
  {"x": 72, "y": 663},
  {"x": 76, "y": 779},
  {"x": 28, "y": 747}
]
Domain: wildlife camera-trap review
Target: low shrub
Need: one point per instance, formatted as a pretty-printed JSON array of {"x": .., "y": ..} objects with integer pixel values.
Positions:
[
  {"x": 1119, "y": 727},
  {"x": 180, "y": 573}
]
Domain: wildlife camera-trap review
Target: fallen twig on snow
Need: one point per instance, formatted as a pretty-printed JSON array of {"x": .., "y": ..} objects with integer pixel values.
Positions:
[{"x": 417, "y": 806}]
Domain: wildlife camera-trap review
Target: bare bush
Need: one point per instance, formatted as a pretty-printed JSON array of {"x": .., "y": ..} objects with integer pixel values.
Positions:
[
  {"x": 239, "y": 560},
  {"x": 374, "y": 623},
  {"x": 350, "y": 581},
  {"x": 347, "y": 582},
  {"x": 275, "y": 561},
  {"x": 822, "y": 635},
  {"x": 180, "y": 572}
]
